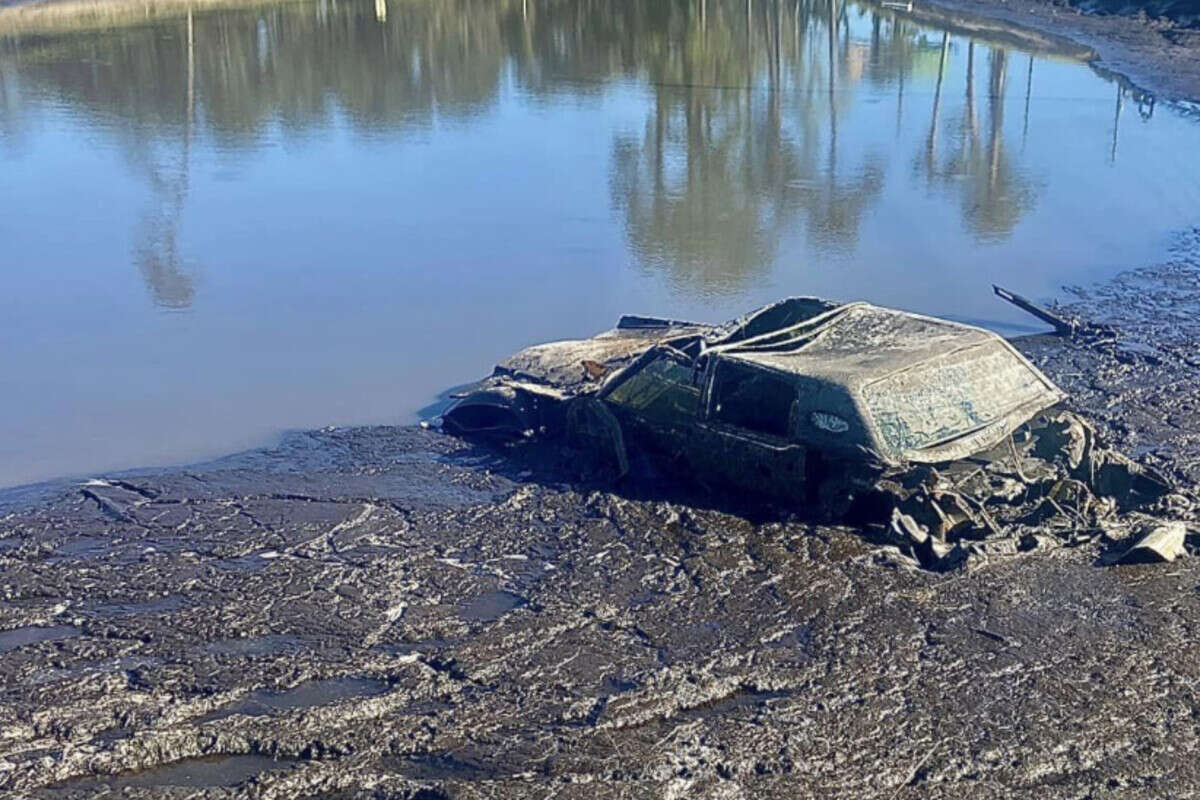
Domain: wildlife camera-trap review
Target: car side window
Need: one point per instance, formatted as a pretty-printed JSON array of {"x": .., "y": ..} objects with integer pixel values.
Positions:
[
  {"x": 661, "y": 392},
  {"x": 752, "y": 398}
]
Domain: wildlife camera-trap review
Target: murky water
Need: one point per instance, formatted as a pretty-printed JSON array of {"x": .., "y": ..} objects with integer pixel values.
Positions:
[
  {"x": 491, "y": 606},
  {"x": 307, "y": 695},
  {"x": 219, "y": 227},
  {"x": 193, "y": 772},
  {"x": 19, "y": 637}
]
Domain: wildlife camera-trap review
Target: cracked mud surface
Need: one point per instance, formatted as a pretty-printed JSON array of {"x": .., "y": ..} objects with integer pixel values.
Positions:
[{"x": 390, "y": 612}]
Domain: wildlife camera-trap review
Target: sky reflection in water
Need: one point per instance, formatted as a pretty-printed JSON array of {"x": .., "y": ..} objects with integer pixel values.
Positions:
[{"x": 313, "y": 214}]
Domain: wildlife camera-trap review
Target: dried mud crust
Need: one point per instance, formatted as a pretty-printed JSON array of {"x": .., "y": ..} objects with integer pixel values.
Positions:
[{"x": 383, "y": 612}]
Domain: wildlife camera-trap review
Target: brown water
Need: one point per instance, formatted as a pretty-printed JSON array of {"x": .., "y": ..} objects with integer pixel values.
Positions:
[{"x": 327, "y": 213}]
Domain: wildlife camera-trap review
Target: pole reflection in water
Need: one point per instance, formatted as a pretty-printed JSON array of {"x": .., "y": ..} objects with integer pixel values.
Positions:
[
  {"x": 1116, "y": 122},
  {"x": 1028, "y": 94},
  {"x": 357, "y": 178}
]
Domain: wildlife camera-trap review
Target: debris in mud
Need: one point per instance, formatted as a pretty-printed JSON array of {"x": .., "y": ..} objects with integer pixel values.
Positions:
[
  {"x": 660, "y": 648},
  {"x": 1157, "y": 544},
  {"x": 938, "y": 433},
  {"x": 1063, "y": 325}
]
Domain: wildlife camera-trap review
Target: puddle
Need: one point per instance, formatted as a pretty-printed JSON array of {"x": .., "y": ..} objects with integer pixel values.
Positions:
[
  {"x": 251, "y": 562},
  {"x": 115, "y": 734},
  {"x": 490, "y": 606},
  {"x": 935, "y": 155},
  {"x": 156, "y": 606},
  {"x": 84, "y": 547},
  {"x": 744, "y": 700},
  {"x": 406, "y": 648},
  {"x": 439, "y": 766},
  {"x": 310, "y": 694},
  {"x": 19, "y": 637},
  {"x": 41, "y": 677},
  {"x": 270, "y": 644},
  {"x": 192, "y": 772},
  {"x": 46, "y": 676},
  {"x": 611, "y": 686}
]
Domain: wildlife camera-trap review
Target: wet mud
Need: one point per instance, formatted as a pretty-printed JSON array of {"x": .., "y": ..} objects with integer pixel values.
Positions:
[
  {"x": 392, "y": 612},
  {"x": 1157, "y": 53}
]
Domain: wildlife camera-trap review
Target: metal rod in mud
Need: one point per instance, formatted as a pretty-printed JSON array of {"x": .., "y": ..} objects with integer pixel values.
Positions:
[{"x": 1061, "y": 326}]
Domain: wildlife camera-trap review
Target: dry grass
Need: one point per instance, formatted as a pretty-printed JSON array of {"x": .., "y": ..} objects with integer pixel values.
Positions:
[{"x": 67, "y": 16}]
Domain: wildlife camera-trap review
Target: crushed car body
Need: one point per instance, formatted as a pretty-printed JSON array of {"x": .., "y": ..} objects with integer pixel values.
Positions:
[{"x": 941, "y": 431}]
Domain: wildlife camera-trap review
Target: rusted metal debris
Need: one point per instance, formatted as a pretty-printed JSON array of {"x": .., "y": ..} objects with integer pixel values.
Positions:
[
  {"x": 942, "y": 434},
  {"x": 1063, "y": 326}
]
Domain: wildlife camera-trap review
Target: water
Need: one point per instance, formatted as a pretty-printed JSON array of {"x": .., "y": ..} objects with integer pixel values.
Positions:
[
  {"x": 309, "y": 694},
  {"x": 32, "y": 634},
  {"x": 202, "y": 772},
  {"x": 327, "y": 213},
  {"x": 490, "y": 606}
]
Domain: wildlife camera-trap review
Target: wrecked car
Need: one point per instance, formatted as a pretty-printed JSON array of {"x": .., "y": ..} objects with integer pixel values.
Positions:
[{"x": 938, "y": 430}]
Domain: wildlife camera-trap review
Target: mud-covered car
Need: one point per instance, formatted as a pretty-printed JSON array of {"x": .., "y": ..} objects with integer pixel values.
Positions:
[{"x": 848, "y": 411}]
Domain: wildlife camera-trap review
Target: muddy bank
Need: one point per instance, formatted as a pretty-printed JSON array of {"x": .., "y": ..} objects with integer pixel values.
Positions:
[
  {"x": 389, "y": 612},
  {"x": 1157, "y": 55}
]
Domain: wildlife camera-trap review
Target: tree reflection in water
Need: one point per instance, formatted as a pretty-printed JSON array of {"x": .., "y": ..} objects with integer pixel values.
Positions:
[{"x": 739, "y": 147}]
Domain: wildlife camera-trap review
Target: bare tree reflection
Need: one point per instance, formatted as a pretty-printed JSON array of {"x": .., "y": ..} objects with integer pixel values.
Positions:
[
  {"x": 157, "y": 251},
  {"x": 720, "y": 175},
  {"x": 741, "y": 144}
]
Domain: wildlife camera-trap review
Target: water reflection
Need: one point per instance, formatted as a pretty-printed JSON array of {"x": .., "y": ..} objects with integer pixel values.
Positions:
[
  {"x": 353, "y": 205},
  {"x": 723, "y": 170},
  {"x": 157, "y": 250},
  {"x": 995, "y": 192},
  {"x": 740, "y": 145}
]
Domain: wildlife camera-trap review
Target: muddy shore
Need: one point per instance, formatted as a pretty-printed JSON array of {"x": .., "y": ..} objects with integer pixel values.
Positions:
[
  {"x": 393, "y": 613},
  {"x": 1156, "y": 55},
  {"x": 389, "y": 612}
]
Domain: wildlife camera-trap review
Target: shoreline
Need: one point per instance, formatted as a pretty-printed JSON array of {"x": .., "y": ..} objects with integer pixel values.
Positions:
[
  {"x": 424, "y": 617},
  {"x": 389, "y": 612},
  {"x": 1156, "y": 56}
]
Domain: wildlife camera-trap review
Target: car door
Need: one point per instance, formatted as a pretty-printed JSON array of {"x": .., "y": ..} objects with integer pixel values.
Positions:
[{"x": 744, "y": 434}]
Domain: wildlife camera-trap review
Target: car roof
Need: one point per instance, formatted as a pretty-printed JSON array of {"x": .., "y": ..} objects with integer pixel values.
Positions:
[
  {"x": 928, "y": 390},
  {"x": 856, "y": 343}
]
